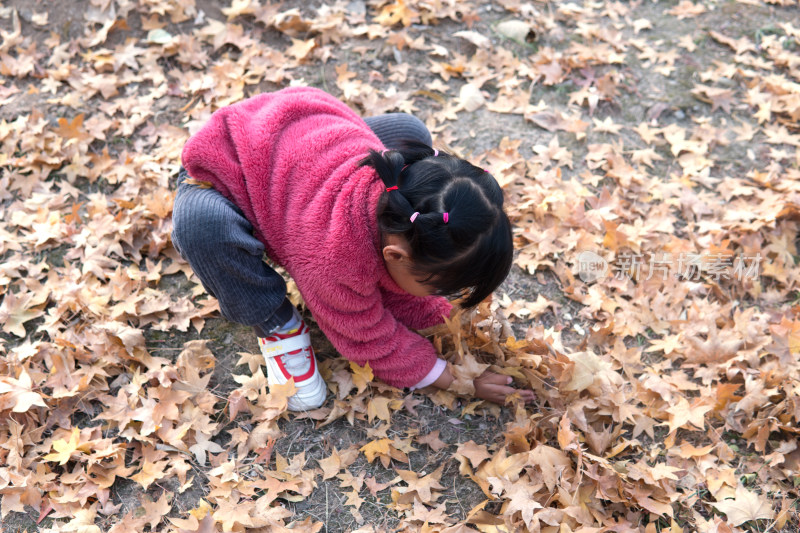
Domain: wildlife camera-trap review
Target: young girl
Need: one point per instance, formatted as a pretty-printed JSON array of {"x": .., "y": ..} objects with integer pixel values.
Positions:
[{"x": 373, "y": 224}]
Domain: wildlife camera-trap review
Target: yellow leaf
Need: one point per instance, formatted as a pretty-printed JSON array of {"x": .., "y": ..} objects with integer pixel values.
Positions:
[
  {"x": 300, "y": 49},
  {"x": 362, "y": 375},
  {"x": 397, "y": 12},
  {"x": 376, "y": 448},
  {"x": 198, "y": 183},
  {"x": 202, "y": 509},
  {"x": 278, "y": 397},
  {"x": 379, "y": 407},
  {"x": 64, "y": 448}
]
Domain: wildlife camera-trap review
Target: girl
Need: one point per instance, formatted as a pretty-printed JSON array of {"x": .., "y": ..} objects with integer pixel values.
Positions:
[{"x": 373, "y": 224}]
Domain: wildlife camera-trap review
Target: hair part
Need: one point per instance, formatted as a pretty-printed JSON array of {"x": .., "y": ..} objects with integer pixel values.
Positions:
[{"x": 470, "y": 254}]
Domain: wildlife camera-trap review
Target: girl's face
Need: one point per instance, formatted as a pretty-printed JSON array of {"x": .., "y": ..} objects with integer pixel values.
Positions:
[{"x": 397, "y": 257}]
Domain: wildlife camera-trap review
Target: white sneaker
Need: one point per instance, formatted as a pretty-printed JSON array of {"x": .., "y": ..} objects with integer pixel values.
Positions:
[{"x": 289, "y": 355}]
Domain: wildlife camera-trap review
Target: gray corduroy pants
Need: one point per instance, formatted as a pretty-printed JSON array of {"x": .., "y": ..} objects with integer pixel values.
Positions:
[{"x": 217, "y": 241}]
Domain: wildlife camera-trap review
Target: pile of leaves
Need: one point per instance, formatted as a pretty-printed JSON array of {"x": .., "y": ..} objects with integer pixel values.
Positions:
[{"x": 662, "y": 139}]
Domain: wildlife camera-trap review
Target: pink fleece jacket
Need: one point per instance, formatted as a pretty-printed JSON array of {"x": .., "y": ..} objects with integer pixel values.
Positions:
[{"x": 289, "y": 161}]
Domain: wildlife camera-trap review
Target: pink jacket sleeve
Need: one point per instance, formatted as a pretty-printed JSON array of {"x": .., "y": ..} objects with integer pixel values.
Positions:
[
  {"x": 359, "y": 325},
  {"x": 418, "y": 313}
]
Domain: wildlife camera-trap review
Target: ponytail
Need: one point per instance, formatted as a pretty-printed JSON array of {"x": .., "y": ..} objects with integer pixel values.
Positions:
[{"x": 451, "y": 214}]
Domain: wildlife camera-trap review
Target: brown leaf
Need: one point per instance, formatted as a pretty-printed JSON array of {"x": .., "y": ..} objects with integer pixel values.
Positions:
[
  {"x": 73, "y": 129},
  {"x": 424, "y": 486},
  {"x": 433, "y": 441},
  {"x": 476, "y": 453},
  {"x": 300, "y": 49}
]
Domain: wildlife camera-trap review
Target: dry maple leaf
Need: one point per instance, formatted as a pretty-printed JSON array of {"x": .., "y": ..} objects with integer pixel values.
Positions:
[
  {"x": 330, "y": 465},
  {"x": 232, "y": 514},
  {"x": 17, "y": 309},
  {"x": 433, "y": 441},
  {"x": 739, "y": 46},
  {"x": 385, "y": 449},
  {"x": 205, "y": 524},
  {"x": 362, "y": 376},
  {"x": 551, "y": 462},
  {"x": 682, "y": 413},
  {"x": 464, "y": 374},
  {"x": 65, "y": 448},
  {"x": 437, "y": 515},
  {"x": 519, "y": 496},
  {"x": 718, "y": 346},
  {"x": 475, "y": 453},
  {"x": 376, "y": 448},
  {"x": 396, "y": 12},
  {"x": 73, "y": 130},
  {"x": 155, "y": 511},
  {"x": 715, "y": 96},
  {"x": 476, "y": 38},
  {"x": 745, "y": 506},
  {"x": 18, "y": 394},
  {"x": 378, "y": 407},
  {"x": 151, "y": 472},
  {"x": 300, "y": 49},
  {"x": 424, "y": 486}
]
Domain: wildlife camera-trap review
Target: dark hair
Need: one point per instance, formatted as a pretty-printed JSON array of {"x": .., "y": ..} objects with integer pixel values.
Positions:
[{"x": 468, "y": 255}]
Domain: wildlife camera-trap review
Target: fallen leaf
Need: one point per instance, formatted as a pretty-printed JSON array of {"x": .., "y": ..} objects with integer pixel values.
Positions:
[
  {"x": 471, "y": 98},
  {"x": 516, "y": 30},
  {"x": 18, "y": 394},
  {"x": 745, "y": 506}
]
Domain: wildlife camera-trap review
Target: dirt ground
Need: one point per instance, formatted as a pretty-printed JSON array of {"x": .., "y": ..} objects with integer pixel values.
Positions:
[{"x": 642, "y": 95}]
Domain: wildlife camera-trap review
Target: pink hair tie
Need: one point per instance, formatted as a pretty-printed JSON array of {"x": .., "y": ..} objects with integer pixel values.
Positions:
[
  {"x": 435, "y": 152},
  {"x": 383, "y": 152},
  {"x": 413, "y": 217},
  {"x": 446, "y": 216},
  {"x": 392, "y": 188}
]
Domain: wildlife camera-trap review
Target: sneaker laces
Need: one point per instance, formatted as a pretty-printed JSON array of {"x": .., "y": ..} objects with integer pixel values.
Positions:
[{"x": 296, "y": 362}]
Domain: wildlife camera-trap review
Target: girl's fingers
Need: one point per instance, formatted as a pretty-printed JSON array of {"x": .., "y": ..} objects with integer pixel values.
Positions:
[
  {"x": 495, "y": 379},
  {"x": 527, "y": 395},
  {"x": 498, "y": 387},
  {"x": 504, "y": 392}
]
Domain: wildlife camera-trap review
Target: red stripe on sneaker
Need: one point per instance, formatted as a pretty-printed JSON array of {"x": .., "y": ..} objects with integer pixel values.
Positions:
[
  {"x": 297, "y": 379},
  {"x": 311, "y": 368}
]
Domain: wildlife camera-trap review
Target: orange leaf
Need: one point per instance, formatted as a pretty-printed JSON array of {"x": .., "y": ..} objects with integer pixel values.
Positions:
[{"x": 73, "y": 129}]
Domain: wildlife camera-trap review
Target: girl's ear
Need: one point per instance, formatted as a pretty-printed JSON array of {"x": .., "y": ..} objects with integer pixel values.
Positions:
[{"x": 395, "y": 253}]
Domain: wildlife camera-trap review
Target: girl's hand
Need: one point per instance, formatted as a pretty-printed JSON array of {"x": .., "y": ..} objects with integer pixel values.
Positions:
[{"x": 497, "y": 387}]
